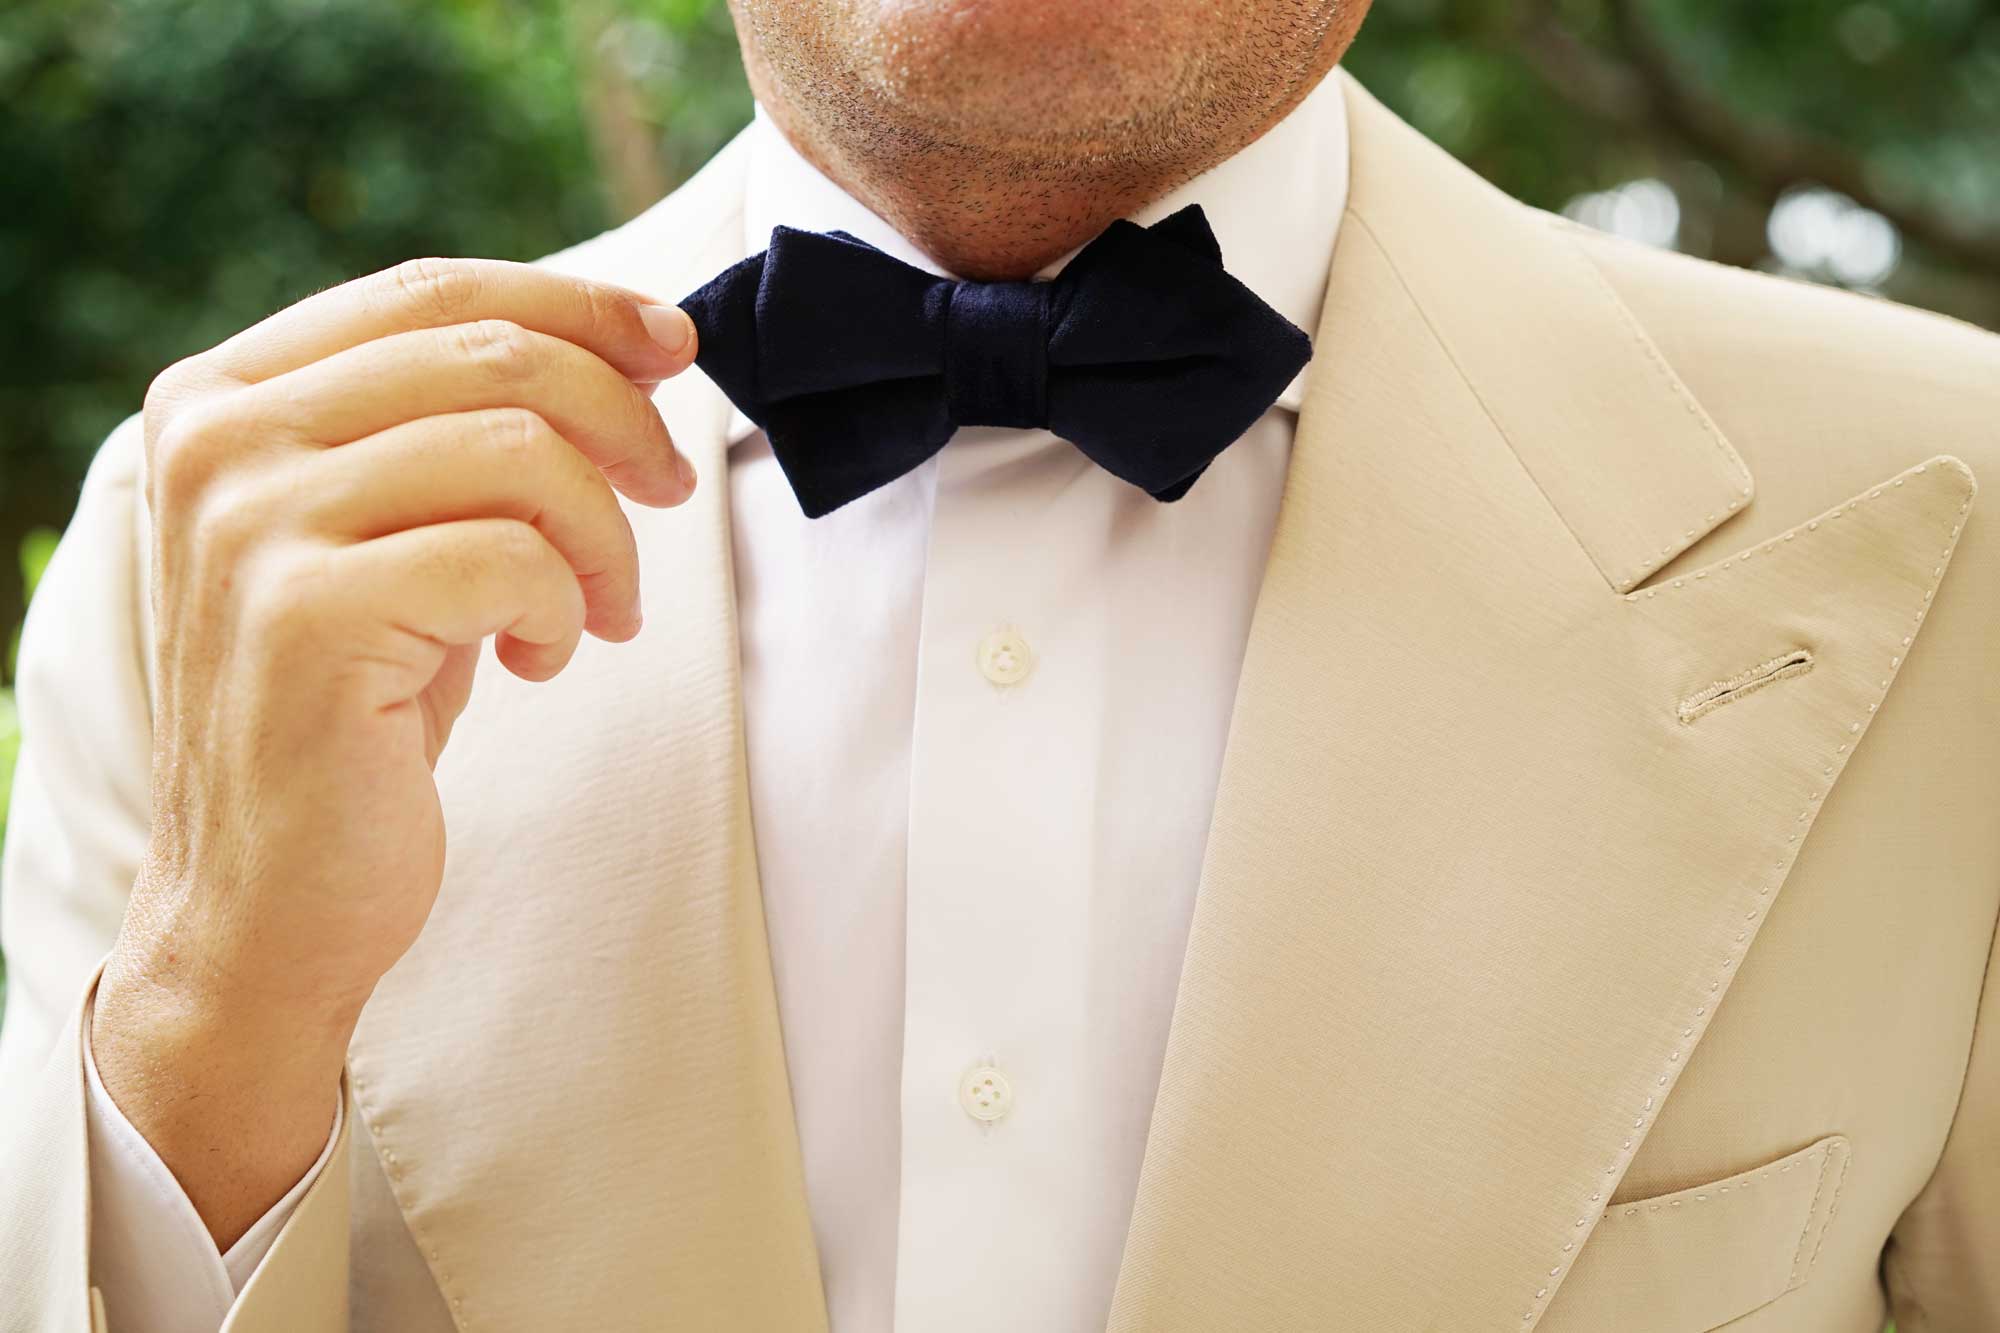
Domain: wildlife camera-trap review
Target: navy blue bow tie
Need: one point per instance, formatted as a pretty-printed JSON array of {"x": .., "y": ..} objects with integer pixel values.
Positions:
[{"x": 1142, "y": 352}]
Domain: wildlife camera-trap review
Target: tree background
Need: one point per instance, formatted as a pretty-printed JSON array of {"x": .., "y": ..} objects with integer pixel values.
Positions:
[{"x": 175, "y": 170}]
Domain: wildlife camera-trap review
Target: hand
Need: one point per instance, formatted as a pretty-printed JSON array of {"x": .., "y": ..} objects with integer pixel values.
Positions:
[{"x": 347, "y": 499}]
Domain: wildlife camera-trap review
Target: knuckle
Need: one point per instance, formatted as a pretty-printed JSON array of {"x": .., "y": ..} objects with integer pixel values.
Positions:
[
  {"x": 288, "y": 596},
  {"x": 645, "y": 421},
  {"x": 521, "y": 550},
  {"x": 608, "y": 310},
  {"x": 431, "y": 288},
  {"x": 184, "y": 454},
  {"x": 520, "y": 547},
  {"x": 224, "y": 522},
  {"x": 504, "y": 349},
  {"x": 172, "y": 387},
  {"x": 518, "y": 437}
]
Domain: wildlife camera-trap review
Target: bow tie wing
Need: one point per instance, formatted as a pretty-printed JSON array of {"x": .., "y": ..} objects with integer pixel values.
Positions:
[
  {"x": 824, "y": 291},
  {"x": 1159, "y": 358},
  {"x": 766, "y": 328},
  {"x": 1144, "y": 352}
]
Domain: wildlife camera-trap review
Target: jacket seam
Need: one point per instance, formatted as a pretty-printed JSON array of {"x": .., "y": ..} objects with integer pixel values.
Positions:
[{"x": 1986, "y": 988}]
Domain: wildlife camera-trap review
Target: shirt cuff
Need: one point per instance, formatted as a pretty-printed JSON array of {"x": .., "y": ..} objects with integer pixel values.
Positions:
[{"x": 150, "y": 1250}]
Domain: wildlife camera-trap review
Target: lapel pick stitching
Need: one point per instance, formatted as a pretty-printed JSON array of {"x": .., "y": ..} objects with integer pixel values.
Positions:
[
  {"x": 1697, "y": 1023},
  {"x": 1794, "y": 663}
]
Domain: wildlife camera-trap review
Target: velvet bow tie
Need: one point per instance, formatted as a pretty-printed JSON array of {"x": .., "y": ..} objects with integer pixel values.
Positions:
[{"x": 1142, "y": 352}]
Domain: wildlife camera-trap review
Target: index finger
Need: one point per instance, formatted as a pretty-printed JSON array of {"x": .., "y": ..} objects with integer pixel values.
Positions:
[{"x": 643, "y": 339}]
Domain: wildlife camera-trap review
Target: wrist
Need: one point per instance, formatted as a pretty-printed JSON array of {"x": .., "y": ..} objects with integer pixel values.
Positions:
[
  {"x": 237, "y": 1098},
  {"x": 190, "y": 975}
]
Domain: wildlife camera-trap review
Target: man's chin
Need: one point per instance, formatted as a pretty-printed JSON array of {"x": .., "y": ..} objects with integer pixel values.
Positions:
[{"x": 1023, "y": 70}]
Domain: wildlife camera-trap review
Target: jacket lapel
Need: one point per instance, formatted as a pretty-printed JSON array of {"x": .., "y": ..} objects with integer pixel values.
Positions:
[
  {"x": 574, "y": 1081},
  {"x": 1474, "y": 888}
]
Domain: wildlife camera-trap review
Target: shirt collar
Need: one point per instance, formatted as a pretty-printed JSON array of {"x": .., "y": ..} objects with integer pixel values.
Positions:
[{"x": 1275, "y": 207}]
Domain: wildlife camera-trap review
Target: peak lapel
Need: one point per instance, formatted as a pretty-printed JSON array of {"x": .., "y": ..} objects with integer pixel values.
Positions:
[
  {"x": 574, "y": 1081},
  {"x": 1474, "y": 889}
]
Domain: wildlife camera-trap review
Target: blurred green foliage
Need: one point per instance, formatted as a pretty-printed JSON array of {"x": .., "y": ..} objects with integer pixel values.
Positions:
[
  {"x": 1894, "y": 103},
  {"x": 176, "y": 170}
]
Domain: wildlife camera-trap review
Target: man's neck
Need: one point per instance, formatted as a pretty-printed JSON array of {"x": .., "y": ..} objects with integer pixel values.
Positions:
[{"x": 994, "y": 220}]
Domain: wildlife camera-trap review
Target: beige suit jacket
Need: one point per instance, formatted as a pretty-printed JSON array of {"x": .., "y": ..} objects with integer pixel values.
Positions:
[{"x": 1597, "y": 915}]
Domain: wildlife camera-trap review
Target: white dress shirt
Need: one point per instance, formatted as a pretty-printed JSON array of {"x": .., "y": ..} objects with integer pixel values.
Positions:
[{"x": 985, "y": 709}]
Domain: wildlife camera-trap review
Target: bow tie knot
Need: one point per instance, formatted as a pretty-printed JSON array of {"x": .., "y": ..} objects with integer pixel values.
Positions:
[
  {"x": 996, "y": 353},
  {"x": 1143, "y": 352}
]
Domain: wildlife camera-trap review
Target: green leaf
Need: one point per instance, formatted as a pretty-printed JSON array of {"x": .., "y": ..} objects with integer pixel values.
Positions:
[{"x": 36, "y": 548}]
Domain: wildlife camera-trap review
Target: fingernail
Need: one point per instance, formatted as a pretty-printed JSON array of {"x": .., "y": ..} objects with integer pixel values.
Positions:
[
  {"x": 685, "y": 469},
  {"x": 668, "y": 326}
]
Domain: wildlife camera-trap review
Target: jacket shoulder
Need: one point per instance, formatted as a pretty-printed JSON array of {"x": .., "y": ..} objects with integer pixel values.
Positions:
[
  {"x": 1799, "y": 375},
  {"x": 665, "y": 251}
]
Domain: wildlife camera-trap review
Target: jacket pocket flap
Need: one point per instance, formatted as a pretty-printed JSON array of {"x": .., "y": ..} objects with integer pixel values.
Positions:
[{"x": 1696, "y": 1259}]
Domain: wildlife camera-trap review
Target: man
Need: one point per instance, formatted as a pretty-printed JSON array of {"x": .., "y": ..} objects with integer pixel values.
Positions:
[{"x": 1507, "y": 842}]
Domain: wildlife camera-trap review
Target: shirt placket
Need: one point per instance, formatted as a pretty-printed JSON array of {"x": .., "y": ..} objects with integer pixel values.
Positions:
[{"x": 1000, "y": 850}]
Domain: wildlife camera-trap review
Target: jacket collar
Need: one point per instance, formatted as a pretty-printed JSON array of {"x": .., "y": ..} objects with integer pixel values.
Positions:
[{"x": 1621, "y": 448}]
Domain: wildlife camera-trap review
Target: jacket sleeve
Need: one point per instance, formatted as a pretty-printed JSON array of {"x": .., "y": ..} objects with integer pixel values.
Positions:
[
  {"x": 149, "y": 1250},
  {"x": 76, "y": 828},
  {"x": 1943, "y": 1259}
]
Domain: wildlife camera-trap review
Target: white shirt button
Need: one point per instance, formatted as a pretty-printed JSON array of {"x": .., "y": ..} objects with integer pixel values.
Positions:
[
  {"x": 1004, "y": 657},
  {"x": 986, "y": 1094}
]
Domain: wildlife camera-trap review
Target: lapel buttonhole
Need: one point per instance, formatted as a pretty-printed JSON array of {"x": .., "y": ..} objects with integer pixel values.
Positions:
[{"x": 1794, "y": 663}]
